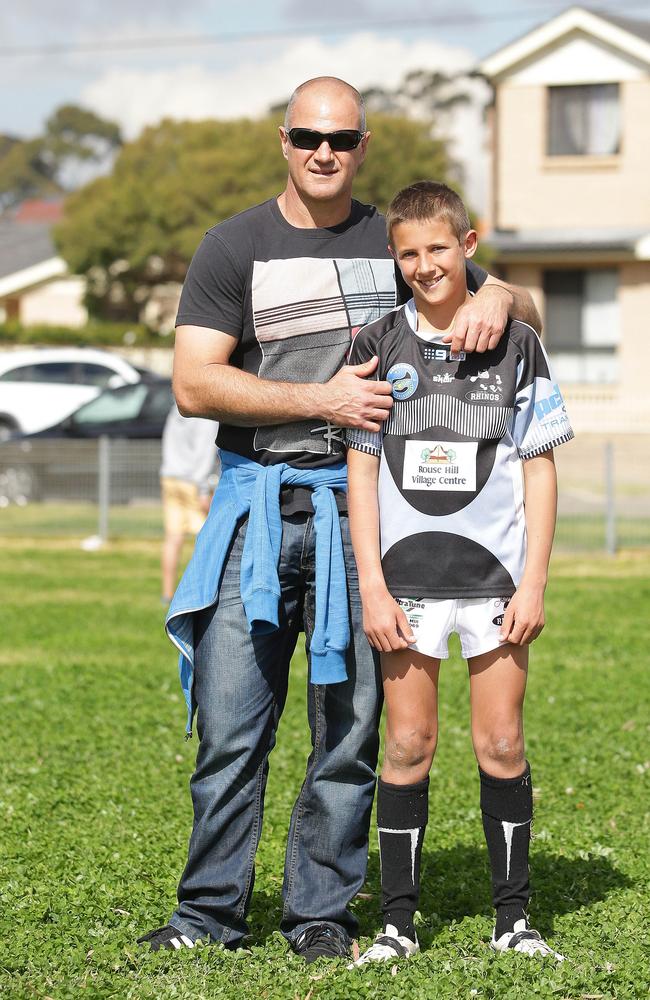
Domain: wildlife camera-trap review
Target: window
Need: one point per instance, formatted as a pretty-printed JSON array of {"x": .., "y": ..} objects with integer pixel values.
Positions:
[
  {"x": 582, "y": 328},
  {"x": 100, "y": 375},
  {"x": 62, "y": 372},
  {"x": 115, "y": 404},
  {"x": 584, "y": 120},
  {"x": 23, "y": 374},
  {"x": 159, "y": 402}
]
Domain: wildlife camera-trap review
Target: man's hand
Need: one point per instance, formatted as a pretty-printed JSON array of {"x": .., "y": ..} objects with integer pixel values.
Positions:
[
  {"x": 384, "y": 622},
  {"x": 351, "y": 399},
  {"x": 479, "y": 323},
  {"x": 524, "y": 617}
]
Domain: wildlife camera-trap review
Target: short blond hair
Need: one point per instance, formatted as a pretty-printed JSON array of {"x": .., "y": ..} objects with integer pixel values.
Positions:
[{"x": 425, "y": 201}]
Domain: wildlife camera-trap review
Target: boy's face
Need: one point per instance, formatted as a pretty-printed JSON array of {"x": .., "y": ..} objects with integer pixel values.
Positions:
[{"x": 431, "y": 259}]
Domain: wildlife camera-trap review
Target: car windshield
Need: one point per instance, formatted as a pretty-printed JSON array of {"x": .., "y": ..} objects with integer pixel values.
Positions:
[{"x": 117, "y": 404}]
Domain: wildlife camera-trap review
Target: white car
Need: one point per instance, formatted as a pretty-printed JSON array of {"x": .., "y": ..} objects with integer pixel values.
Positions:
[{"x": 42, "y": 386}]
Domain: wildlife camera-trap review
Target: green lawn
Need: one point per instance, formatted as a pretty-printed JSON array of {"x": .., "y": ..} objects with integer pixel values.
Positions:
[
  {"x": 584, "y": 532},
  {"x": 95, "y": 811}
]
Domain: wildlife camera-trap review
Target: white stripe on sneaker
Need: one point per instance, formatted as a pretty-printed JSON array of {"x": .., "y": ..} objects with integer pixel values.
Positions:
[{"x": 187, "y": 941}]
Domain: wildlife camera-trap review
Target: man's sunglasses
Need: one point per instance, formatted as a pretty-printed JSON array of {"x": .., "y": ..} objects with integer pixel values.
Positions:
[{"x": 339, "y": 142}]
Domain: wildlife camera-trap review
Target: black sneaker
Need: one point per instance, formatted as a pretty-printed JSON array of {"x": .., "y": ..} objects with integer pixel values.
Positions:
[
  {"x": 167, "y": 937},
  {"x": 321, "y": 941}
]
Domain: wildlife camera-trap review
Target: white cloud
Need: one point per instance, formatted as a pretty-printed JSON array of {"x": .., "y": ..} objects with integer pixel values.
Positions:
[{"x": 136, "y": 97}]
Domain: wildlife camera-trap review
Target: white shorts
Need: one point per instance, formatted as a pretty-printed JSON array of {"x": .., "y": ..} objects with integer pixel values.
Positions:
[{"x": 476, "y": 620}]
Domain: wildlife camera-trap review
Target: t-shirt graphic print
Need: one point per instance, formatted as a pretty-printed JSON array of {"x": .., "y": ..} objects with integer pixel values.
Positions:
[
  {"x": 450, "y": 478},
  {"x": 305, "y": 311}
]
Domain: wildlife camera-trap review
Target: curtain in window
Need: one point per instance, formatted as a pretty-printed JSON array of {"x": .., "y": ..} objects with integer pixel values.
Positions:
[{"x": 584, "y": 120}]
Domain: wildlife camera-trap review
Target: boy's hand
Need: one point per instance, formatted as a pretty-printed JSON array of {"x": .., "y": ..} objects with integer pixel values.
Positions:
[
  {"x": 479, "y": 324},
  {"x": 385, "y": 624},
  {"x": 524, "y": 617}
]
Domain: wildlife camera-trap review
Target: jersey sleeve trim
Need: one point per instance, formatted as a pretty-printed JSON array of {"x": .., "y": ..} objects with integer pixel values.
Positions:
[
  {"x": 539, "y": 449},
  {"x": 366, "y": 441}
]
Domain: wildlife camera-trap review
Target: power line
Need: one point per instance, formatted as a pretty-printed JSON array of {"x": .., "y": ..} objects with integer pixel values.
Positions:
[{"x": 194, "y": 41}]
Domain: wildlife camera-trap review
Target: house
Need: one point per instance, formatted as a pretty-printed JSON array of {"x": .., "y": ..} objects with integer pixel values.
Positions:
[
  {"x": 570, "y": 203},
  {"x": 35, "y": 286}
]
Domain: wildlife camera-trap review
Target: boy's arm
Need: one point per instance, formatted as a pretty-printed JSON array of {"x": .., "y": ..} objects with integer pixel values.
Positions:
[
  {"x": 384, "y": 622},
  {"x": 524, "y": 617},
  {"x": 480, "y": 323}
]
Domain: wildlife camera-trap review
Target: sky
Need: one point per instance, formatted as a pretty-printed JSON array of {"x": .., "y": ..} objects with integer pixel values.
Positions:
[{"x": 136, "y": 62}]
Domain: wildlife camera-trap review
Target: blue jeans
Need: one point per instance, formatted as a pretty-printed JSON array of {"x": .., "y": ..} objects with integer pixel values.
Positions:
[{"x": 240, "y": 686}]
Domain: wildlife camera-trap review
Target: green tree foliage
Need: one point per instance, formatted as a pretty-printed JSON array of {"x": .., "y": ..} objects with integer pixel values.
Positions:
[
  {"x": 25, "y": 171},
  {"x": 45, "y": 165},
  {"x": 75, "y": 131},
  {"x": 140, "y": 226},
  {"x": 400, "y": 152}
]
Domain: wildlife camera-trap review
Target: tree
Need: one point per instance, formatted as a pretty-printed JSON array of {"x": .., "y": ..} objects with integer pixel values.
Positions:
[
  {"x": 25, "y": 172},
  {"x": 74, "y": 142},
  {"x": 138, "y": 228}
]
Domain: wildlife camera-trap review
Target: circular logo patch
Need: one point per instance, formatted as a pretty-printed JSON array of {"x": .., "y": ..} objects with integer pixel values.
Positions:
[{"x": 404, "y": 380}]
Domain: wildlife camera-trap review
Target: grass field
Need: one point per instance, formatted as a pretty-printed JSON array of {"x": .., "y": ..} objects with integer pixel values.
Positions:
[
  {"x": 95, "y": 811},
  {"x": 575, "y": 532}
]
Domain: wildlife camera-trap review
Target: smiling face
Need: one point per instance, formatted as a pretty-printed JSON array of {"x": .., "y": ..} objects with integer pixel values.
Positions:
[
  {"x": 322, "y": 175},
  {"x": 432, "y": 260}
]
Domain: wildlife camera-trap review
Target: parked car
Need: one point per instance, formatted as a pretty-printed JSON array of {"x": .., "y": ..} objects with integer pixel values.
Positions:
[
  {"x": 61, "y": 462},
  {"x": 41, "y": 386}
]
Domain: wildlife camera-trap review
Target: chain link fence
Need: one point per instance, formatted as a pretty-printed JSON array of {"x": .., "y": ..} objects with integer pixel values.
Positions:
[{"x": 100, "y": 489}]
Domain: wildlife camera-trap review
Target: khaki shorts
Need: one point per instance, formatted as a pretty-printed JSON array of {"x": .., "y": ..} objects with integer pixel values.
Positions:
[
  {"x": 475, "y": 620},
  {"x": 182, "y": 512}
]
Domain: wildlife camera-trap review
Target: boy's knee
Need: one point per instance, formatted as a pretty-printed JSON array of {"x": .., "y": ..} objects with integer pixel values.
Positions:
[
  {"x": 411, "y": 747},
  {"x": 501, "y": 748}
]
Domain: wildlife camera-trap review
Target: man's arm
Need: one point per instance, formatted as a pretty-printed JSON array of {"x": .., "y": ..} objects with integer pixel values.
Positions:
[
  {"x": 207, "y": 385},
  {"x": 479, "y": 324},
  {"x": 524, "y": 617}
]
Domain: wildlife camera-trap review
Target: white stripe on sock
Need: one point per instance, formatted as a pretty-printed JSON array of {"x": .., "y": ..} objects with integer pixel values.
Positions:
[
  {"x": 414, "y": 834},
  {"x": 508, "y": 830}
]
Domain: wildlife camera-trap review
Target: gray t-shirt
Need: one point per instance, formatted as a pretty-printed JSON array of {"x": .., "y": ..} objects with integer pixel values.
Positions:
[{"x": 293, "y": 299}]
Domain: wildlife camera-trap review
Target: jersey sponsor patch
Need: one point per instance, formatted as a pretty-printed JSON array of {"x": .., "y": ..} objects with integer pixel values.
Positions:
[
  {"x": 404, "y": 380},
  {"x": 440, "y": 465},
  {"x": 441, "y": 352}
]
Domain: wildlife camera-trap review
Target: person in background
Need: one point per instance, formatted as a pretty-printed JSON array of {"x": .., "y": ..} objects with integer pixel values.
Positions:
[{"x": 188, "y": 475}]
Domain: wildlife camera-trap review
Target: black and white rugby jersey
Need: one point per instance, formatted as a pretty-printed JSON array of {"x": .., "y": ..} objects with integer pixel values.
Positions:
[{"x": 450, "y": 480}]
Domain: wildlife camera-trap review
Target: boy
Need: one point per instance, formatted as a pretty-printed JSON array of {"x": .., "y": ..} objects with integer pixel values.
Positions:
[{"x": 443, "y": 544}]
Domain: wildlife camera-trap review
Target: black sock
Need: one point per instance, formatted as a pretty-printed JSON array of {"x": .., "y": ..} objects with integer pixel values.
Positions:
[
  {"x": 507, "y": 807},
  {"x": 402, "y": 814}
]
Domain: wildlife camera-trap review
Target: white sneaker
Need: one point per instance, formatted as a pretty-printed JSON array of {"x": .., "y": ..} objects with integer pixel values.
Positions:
[
  {"x": 526, "y": 941},
  {"x": 386, "y": 946}
]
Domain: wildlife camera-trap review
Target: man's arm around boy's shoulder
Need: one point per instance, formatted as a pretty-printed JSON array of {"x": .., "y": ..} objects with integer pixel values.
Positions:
[{"x": 480, "y": 323}]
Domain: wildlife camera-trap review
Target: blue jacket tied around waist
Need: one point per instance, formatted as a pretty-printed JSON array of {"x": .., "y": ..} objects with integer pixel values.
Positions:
[{"x": 245, "y": 488}]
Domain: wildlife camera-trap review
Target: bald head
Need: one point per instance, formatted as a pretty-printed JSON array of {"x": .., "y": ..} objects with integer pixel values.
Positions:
[{"x": 327, "y": 89}]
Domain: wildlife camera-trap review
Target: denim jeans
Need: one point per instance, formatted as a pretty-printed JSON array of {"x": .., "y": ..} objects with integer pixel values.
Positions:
[{"x": 240, "y": 686}]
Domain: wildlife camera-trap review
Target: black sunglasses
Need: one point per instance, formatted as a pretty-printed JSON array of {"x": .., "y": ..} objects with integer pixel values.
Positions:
[{"x": 339, "y": 142}]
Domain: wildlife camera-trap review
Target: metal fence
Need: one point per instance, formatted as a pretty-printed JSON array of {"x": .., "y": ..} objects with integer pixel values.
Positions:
[{"x": 98, "y": 489}]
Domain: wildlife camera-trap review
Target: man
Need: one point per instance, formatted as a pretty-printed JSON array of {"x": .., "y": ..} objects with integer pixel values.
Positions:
[{"x": 270, "y": 303}]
